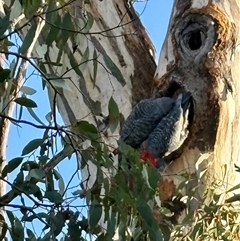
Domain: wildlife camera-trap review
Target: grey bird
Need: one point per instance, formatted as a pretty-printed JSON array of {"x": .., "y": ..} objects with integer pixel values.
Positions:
[
  {"x": 170, "y": 133},
  {"x": 144, "y": 118}
]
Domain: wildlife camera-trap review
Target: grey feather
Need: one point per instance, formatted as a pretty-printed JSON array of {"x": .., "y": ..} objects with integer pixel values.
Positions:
[
  {"x": 172, "y": 130},
  {"x": 144, "y": 118}
]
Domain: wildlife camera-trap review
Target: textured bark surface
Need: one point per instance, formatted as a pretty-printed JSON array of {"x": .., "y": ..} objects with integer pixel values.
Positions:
[
  {"x": 201, "y": 55},
  {"x": 4, "y": 127},
  {"x": 117, "y": 32}
]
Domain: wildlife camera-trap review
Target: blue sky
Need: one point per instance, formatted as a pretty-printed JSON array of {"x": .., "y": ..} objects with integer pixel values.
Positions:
[{"x": 154, "y": 15}]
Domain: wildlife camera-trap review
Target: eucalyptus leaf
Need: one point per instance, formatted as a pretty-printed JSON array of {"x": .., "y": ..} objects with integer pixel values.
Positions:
[
  {"x": 48, "y": 117},
  {"x": 146, "y": 213},
  {"x": 111, "y": 224},
  {"x": 89, "y": 23},
  {"x": 94, "y": 213},
  {"x": 11, "y": 217},
  {"x": 31, "y": 146},
  {"x": 31, "y": 7},
  {"x": 153, "y": 176},
  {"x": 4, "y": 24},
  {"x": 31, "y": 188},
  {"x": 52, "y": 14},
  {"x": 11, "y": 166},
  {"x": 95, "y": 66},
  {"x": 28, "y": 90},
  {"x": 113, "y": 114},
  {"x": 53, "y": 196},
  {"x": 149, "y": 220},
  {"x": 87, "y": 129},
  {"x": 37, "y": 173},
  {"x": 84, "y": 60},
  {"x": 59, "y": 222},
  {"x": 12, "y": 67},
  {"x": 20, "y": 112},
  {"x": 58, "y": 82},
  {"x": 166, "y": 212},
  {"x": 28, "y": 38},
  {"x": 4, "y": 74},
  {"x": 29, "y": 165},
  {"x": 18, "y": 230},
  {"x": 67, "y": 22},
  {"x": 43, "y": 215},
  {"x": 18, "y": 181},
  {"x": 60, "y": 180},
  {"x": 16, "y": 10},
  {"x": 54, "y": 31},
  {"x": 23, "y": 101},
  {"x": 31, "y": 235},
  {"x": 66, "y": 30},
  {"x": 29, "y": 218},
  {"x": 33, "y": 114},
  {"x": 74, "y": 65},
  {"x": 114, "y": 69}
]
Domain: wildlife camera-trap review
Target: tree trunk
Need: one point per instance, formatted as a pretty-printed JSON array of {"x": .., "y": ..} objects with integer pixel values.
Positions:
[
  {"x": 4, "y": 129},
  {"x": 201, "y": 55},
  {"x": 125, "y": 63},
  {"x": 118, "y": 33}
]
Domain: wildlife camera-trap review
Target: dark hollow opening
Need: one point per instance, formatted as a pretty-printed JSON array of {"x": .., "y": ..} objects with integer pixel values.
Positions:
[
  {"x": 194, "y": 40},
  {"x": 173, "y": 88}
]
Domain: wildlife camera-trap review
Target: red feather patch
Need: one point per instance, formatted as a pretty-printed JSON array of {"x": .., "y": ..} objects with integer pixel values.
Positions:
[{"x": 149, "y": 158}]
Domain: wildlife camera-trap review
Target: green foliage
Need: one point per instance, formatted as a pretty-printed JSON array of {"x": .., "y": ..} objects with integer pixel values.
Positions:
[
  {"x": 4, "y": 24},
  {"x": 31, "y": 146},
  {"x": 95, "y": 213},
  {"x": 4, "y": 74},
  {"x": 95, "y": 67},
  {"x": 53, "y": 196},
  {"x": 28, "y": 90},
  {"x": 11, "y": 166},
  {"x": 114, "y": 114},
  {"x": 57, "y": 82},
  {"x": 30, "y": 7},
  {"x": 23, "y": 101},
  {"x": 114, "y": 69},
  {"x": 28, "y": 39}
]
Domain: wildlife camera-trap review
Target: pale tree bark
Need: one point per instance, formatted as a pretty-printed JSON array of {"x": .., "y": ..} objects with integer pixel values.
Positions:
[
  {"x": 4, "y": 133},
  {"x": 201, "y": 55},
  {"x": 116, "y": 32}
]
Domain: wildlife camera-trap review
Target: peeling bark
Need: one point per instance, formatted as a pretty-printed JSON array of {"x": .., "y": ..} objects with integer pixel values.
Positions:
[
  {"x": 201, "y": 55},
  {"x": 128, "y": 45},
  {"x": 118, "y": 33}
]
